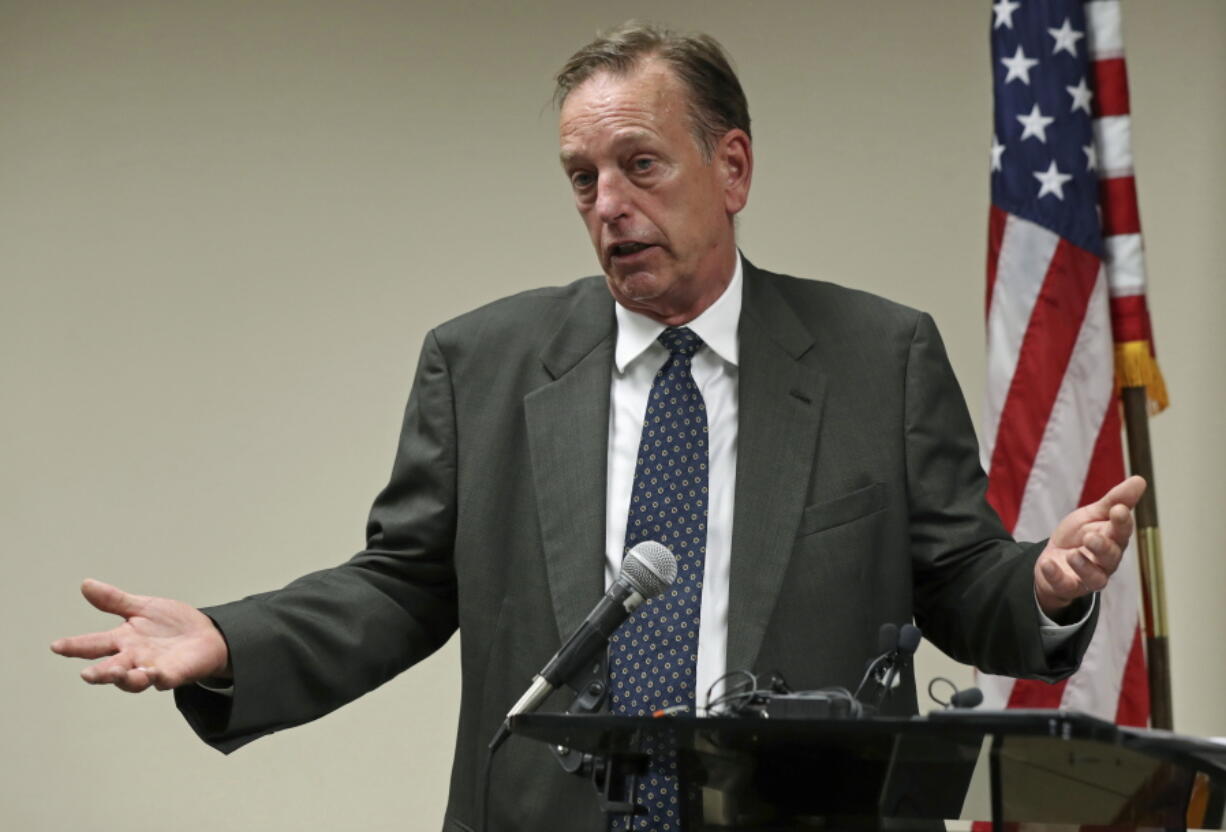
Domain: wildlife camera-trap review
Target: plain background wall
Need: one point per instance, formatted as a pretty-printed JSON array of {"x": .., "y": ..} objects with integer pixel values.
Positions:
[{"x": 226, "y": 226}]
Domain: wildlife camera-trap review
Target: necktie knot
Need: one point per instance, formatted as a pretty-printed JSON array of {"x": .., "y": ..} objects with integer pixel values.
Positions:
[{"x": 680, "y": 340}]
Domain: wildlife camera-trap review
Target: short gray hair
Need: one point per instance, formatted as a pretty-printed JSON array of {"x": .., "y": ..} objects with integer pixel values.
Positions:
[{"x": 716, "y": 101}]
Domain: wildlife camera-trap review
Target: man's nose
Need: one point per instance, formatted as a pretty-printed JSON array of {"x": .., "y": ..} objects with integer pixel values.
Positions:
[{"x": 612, "y": 199}]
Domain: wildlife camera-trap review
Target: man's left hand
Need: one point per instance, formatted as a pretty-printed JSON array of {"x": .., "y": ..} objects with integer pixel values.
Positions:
[{"x": 1086, "y": 548}]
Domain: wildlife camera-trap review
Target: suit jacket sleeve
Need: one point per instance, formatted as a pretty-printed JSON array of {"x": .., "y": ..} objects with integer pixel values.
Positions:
[
  {"x": 331, "y": 636},
  {"x": 974, "y": 586}
]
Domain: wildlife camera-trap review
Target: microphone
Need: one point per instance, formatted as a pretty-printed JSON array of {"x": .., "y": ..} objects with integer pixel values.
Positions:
[
  {"x": 647, "y": 570},
  {"x": 968, "y": 698},
  {"x": 895, "y": 646},
  {"x": 908, "y": 642},
  {"x": 887, "y": 638},
  {"x": 909, "y": 639}
]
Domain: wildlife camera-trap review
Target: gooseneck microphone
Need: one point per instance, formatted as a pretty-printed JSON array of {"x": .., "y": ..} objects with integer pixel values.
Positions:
[{"x": 648, "y": 569}]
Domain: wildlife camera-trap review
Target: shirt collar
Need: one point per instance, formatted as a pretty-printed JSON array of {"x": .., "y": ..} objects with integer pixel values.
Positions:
[{"x": 716, "y": 326}]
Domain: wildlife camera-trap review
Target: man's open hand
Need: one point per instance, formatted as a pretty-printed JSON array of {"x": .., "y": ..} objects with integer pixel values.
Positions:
[
  {"x": 1086, "y": 548},
  {"x": 161, "y": 642}
]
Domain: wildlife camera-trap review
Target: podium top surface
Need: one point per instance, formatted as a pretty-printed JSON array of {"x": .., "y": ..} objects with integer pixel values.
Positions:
[{"x": 603, "y": 734}]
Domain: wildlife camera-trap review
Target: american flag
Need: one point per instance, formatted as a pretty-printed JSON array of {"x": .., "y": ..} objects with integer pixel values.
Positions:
[{"x": 1065, "y": 299}]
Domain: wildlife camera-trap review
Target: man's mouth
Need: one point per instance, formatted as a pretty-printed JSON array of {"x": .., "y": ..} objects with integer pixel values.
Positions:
[{"x": 628, "y": 249}]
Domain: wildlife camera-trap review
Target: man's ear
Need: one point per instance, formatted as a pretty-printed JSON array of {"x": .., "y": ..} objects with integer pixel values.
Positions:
[{"x": 734, "y": 156}]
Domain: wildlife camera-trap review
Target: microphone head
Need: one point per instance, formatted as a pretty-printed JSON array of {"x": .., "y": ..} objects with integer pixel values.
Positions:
[
  {"x": 908, "y": 639},
  {"x": 887, "y": 637},
  {"x": 650, "y": 568},
  {"x": 969, "y": 698}
]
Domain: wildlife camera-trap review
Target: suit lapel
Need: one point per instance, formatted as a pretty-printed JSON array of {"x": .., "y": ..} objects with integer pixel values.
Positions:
[
  {"x": 568, "y": 429},
  {"x": 780, "y": 401}
]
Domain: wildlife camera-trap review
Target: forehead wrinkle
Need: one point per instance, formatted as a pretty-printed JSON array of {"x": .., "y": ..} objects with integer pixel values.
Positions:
[
  {"x": 632, "y": 103},
  {"x": 632, "y": 134},
  {"x": 619, "y": 119}
]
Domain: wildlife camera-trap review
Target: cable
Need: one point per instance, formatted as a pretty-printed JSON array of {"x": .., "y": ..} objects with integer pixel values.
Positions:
[
  {"x": 933, "y": 696},
  {"x": 751, "y": 698},
  {"x": 485, "y": 790},
  {"x": 742, "y": 697},
  {"x": 868, "y": 674}
]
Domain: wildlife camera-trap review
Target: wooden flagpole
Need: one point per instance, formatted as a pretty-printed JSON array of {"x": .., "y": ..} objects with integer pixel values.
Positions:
[{"x": 1149, "y": 547}]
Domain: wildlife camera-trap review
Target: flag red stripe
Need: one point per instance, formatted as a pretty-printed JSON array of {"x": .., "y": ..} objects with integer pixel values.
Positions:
[
  {"x": 996, "y": 232},
  {"x": 1118, "y": 197},
  {"x": 1134, "y": 692},
  {"x": 1130, "y": 319},
  {"x": 1107, "y": 462},
  {"x": 1031, "y": 693},
  {"x": 1044, "y": 355},
  {"x": 1110, "y": 87}
]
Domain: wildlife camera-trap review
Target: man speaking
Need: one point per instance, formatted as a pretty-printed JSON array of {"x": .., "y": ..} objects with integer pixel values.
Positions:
[{"x": 802, "y": 448}]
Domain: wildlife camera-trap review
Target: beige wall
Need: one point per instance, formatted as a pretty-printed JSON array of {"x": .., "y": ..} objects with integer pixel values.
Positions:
[{"x": 225, "y": 227}]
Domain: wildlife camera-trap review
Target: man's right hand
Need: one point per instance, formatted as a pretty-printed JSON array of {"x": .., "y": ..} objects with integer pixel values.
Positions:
[{"x": 163, "y": 643}]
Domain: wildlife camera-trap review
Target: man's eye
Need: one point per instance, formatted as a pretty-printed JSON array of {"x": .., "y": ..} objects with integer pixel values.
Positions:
[
  {"x": 643, "y": 164},
  {"x": 581, "y": 181}
]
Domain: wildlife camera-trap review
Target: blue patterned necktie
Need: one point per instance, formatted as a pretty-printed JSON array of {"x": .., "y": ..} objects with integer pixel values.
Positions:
[{"x": 653, "y": 655}]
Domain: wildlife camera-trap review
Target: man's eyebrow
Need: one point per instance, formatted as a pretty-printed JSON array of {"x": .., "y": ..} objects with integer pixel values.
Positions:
[{"x": 631, "y": 136}]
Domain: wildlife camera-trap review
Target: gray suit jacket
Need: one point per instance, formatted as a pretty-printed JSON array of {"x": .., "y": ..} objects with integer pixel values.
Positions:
[{"x": 859, "y": 500}]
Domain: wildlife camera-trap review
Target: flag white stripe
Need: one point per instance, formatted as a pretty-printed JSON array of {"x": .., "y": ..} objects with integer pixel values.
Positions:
[
  {"x": 1113, "y": 138},
  {"x": 1071, "y": 434},
  {"x": 1125, "y": 258},
  {"x": 996, "y": 690},
  {"x": 1026, "y": 250},
  {"x": 1105, "y": 31}
]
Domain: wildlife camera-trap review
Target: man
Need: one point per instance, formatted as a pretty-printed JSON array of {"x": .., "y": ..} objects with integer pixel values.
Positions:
[{"x": 803, "y": 447}]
